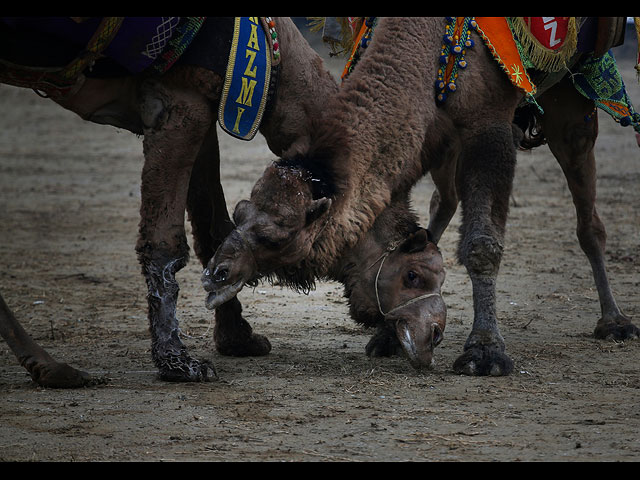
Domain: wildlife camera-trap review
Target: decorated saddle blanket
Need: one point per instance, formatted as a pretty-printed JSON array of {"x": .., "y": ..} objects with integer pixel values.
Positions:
[
  {"x": 136, "y": 43},
  {"x": 54, "y": 54},
  {"x": 520, "y": 45},
  {"x": 51, "y": 54},
  {"x": 555, "y": 45}
]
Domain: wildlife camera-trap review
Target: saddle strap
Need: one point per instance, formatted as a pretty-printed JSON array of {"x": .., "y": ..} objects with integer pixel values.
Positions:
[
  {"x": 610, "y": 34},
  {"x": 59, "y": 82},
  {"x": 106, "y": 32}
]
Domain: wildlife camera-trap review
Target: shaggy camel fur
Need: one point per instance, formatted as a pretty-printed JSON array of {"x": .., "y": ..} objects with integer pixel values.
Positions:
[
  {"x": 176, "y": 113},
  {"x": 382, "y": 132}
]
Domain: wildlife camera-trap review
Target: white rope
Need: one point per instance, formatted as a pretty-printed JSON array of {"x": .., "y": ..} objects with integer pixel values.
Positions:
[{"x": 383, "y": 257}]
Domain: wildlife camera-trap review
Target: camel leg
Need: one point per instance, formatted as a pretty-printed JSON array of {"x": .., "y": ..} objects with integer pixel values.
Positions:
[
  {"x": 44, "y": 370},
  {"x": 210, "y": 223},
  {"x": 175, "y": 123},
  {"x": 485, "y": 175},
  {"x": 444, "y": 200},
  {"x": 571, "y": 139}
]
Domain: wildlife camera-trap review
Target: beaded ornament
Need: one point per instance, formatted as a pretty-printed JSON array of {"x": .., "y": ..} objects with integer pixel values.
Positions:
[
  {"x": 361, "y": 42},
  {"x": 456, "y": 40},
  {"x": 271, "y": 24}
]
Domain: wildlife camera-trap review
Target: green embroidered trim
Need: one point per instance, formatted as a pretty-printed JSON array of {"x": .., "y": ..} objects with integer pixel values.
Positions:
[{"x": 530, "y": 97}]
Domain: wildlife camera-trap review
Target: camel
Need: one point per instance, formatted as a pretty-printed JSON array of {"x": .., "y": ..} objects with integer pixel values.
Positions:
[
  {"x": 177, "y": 112},
  {"x": 381, "y": 133}
]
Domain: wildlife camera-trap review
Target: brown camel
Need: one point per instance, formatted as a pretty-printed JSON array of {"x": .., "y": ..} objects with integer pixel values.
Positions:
[
  {"x": 381, "y": 133},
  {"x": 177, "y": 112}
]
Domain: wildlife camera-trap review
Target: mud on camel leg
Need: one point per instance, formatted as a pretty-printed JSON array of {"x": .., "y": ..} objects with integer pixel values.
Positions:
[
  {"x": 571, "y": 139},
  {"x": 175, "y": 122},
  {"x": 486, "y": 172},
  {"x": 211, "y": 224}
]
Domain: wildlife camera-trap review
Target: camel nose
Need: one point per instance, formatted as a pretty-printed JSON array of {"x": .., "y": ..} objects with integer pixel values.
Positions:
[{"x": 220, "y": 274}]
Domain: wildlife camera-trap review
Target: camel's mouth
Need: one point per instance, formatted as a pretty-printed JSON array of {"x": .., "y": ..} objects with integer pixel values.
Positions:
[
  {"x": 217, "y": 297},
  {"x": 418, "y": 351}
]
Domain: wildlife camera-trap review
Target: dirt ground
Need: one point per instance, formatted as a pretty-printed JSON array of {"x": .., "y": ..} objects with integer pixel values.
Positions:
[{"x": 69, "y": 193}]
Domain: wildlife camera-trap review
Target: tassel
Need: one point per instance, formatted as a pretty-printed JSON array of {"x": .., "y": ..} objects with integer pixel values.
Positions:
[{"x": 339, "y": 33}]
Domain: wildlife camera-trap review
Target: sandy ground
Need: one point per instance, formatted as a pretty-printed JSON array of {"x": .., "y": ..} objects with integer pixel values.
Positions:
[{"x": 69, "y": 192}]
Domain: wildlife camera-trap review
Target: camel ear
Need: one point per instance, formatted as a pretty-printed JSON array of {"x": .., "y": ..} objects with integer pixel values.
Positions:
[
  {"x": 416, "y": 242},
  {"x": 317, "y": 209}
]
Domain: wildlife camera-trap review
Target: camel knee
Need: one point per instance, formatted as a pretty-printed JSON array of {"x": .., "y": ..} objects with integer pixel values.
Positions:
[
  {"x": 580, "y": 138},
  {"x": 153, "y": 112},
  {"x": 481, "y": 255},
  {"x": 592, "y": 235},
  {"x": 162, "y": 257}
]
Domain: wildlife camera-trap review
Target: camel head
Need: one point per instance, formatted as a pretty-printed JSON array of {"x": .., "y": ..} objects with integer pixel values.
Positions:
[
  {"x": 403, "y": 285},
  {"x": 397, "y": 285},
  {"x": 275, "y": 230}
]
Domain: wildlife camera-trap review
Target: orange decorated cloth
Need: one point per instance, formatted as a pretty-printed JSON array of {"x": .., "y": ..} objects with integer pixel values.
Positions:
[{"x": 498, "y": 38}]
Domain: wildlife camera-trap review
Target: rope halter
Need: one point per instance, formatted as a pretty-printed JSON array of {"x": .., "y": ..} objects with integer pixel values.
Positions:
[{"x": 382, "y": 258}]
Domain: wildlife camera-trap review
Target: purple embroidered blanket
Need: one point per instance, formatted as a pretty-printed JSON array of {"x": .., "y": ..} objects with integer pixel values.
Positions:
[{"x": 139, "y": 43}]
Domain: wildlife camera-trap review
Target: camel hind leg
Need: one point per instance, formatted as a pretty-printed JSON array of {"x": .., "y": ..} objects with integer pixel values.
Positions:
[
  {"x": 571, "y": 139},
  {"x": 444, "y": 200},
  {"x": 210, "y": 223},
  {"x": 44, "y": 370}
]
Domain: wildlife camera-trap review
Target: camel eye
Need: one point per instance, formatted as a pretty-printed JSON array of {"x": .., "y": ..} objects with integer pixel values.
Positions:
[{"x": 413, "y": 280}]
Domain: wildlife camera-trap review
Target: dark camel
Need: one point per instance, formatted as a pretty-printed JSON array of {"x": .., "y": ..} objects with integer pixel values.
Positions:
[
  {"x": 177, "y": 114},
  {"x": 382, "y": 132}
]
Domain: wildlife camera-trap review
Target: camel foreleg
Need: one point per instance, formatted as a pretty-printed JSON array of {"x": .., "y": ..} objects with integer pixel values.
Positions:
[
  {"x": 211, "y": 224},
  {"x": 175, "y": 124},
  {"x": 486, "y": 174}
]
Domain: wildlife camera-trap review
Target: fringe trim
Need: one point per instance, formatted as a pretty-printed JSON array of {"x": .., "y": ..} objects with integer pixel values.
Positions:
[
  {"x": 543, "y": 58},
  {"x": 348, "y": 32}
]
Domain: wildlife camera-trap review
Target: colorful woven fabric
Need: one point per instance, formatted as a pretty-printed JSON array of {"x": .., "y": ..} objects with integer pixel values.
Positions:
[
  {"x": 176, "y": 43},
  {"x": 598, "y": 79},
  {"x": 498, "y": 38},
  {"x": 547, "y": 42},
  {"x": 360, "y": 42},
  {"x": 135, "y": 43},
  {"x": 456, "y": 41}
]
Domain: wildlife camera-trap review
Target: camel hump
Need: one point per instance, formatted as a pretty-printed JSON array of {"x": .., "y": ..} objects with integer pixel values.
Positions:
[{"x": 610, "y": 34}]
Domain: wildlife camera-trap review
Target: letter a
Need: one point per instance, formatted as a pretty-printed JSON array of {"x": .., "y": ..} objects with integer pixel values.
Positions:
[{"x": 253, "y": 38}]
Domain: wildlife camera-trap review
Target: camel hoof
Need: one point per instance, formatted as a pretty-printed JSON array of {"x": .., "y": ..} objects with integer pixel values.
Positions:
[
  {"x": 619, "y": 329},
  {"x": 382, "y": 344},
  {"x": 254, "y": 346},
  {"x": 483, "y": 360},
  {"x": 61, "y": 375},
  {"x": 187, "y": 370}
]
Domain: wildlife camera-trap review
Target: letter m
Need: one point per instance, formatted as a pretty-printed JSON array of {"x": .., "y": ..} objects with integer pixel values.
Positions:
[{"x": 246, "y": 93}]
